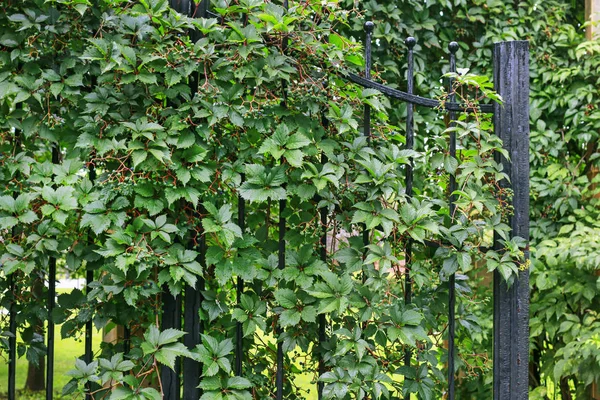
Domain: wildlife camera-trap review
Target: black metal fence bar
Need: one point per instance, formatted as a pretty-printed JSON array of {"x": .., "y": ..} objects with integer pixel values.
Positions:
[
  {"x": 281, "y": 265},
  {"x": 89, "y": 354},
  {"x": 414, "y": 99},
  {"x": 50, "y": 306},
  {"x": 369, "y": 27},
  {"x": 322, "y": 318},
  {"x": 410, "y": 138},
  {"x": 511, "y": 304},
  {"x": 191, "y": 325},
  {"x": 171, "y": 318},
  {"x": 279, "y": 373},
  {"x": 453, "y": 48},
  {"x": 126, "y": 339},
  {"x": 50, "y": 333},
  {"x": 89, "y": 278},
  {"x": 239, "y": 334},
  {"x": 12, "y": 317},
  {"x": 192, "y": 302},
  {"x": 12, "y": 340}
]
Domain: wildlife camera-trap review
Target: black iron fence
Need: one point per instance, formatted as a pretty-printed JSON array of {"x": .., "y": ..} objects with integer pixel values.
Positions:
[{"x": 511, "y": 304}]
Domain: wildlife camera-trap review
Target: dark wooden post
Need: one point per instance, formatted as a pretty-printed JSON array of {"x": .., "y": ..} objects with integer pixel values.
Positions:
[{"x": 511, "y": 304}]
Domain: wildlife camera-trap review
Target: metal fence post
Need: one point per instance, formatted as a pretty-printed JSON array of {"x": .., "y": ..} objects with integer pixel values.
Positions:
[
  {"x": 171, "y": 318},
  {"x": 511, "y": 304},
  {"x": 51, "y": 303},
  {"x": 193, "y": 298}
]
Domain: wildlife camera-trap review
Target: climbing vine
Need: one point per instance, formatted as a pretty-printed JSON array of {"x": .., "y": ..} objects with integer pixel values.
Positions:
[{"x": 131, "y": 135}]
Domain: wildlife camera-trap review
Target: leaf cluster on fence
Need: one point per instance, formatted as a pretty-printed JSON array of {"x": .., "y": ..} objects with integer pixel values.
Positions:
[
  {"x": 564, "y": 158},
  {"x": 130, "y": 136}
]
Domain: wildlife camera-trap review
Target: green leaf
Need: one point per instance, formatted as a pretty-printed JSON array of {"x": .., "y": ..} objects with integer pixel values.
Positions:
[
  {"x": 167, "y": 354},
  {"x": 147, "y": 78},
  {"x": 286, "y": 298},
  {"x": 169, "y": 336},
  {"x": 238, "y": 382},
  {"x": 411, "y": 317},
  {"x": 309, "y": 314},
  {"x": 289, "y": 318},
  {"x": 297, "y": 141}
]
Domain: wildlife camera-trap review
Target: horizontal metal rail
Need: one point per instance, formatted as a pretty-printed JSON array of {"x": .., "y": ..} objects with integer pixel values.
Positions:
[{"x": 414, "y": 99}]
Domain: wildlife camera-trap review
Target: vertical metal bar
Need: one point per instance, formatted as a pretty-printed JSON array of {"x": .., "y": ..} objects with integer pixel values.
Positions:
[
  {"x": 171, "y": 318},
  {"x": 89, "y": 354},
  {"x": 322, "y": 318},
  {"x": 126, "y": 339},
  {"x": 369, "y": 27},
  {"x": 51, "y": 303},
  {"x": 200, "y": 10},
  {"x": 239, "y": 345},
  {"x": 511, "y": 304},
  {"x": 12, "y": 321},
  {"x": 191, "y": 325},
  {"x": 453, "y": 48},
  {"x": 322, "y": 321},
  {"x": 281, "y": 250},
  {"x": 12, "y": 341},
  {"x": 410, "y": 139},
  {"x": 89, "y": 278},
  {"x": 50, "y": 333},
  {"x": 281, "y": 265}
]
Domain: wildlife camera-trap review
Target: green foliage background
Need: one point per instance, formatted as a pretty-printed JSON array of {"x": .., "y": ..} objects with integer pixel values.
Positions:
[{"x": 176, "y": 130}]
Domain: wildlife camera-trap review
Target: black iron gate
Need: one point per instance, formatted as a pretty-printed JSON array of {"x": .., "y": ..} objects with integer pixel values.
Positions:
[
  {"x": 511, "y": 124},
  {"x": 511, "y": 304}
]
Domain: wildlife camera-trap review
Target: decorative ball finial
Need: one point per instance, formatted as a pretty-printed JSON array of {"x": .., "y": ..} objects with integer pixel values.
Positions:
[
  {"x": 453, "y": 47},
  {"x": 410, "y": 42},
  {"x": 369, "y": 27}
]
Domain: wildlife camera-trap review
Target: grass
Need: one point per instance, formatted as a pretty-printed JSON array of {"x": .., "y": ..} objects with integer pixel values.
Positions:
[
  {"x": 67, "y": 350},
  {"x": 65, "y": 353}
]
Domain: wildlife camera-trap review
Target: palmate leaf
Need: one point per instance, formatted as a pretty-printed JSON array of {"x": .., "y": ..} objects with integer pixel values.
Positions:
[
  {"x": 167, "y": 354},
  {"x": 297, "y": 141},
  {"x": 332, "y": 304},
  {"x": 219, "y": 222},
  {"x": 7, "y": 203},
  {"x": 286, "y": 298},
  {"x": 258, "y": 193},
  {"x": 263, "y": 183},
  {"x": 411, "y": 317},
  {"x": 169, "y": 336},
  {"x": 309, "y": 314},
  {"x": 213, "y": 355},
  {"x": 294, "y": 157},
  {"x": 272, "y": 147},
  {"x": 289, "y": 318},
  {"x": 8, "y": 222},
  {"x": 232, "y": 388},
  {"x": 286, "y": 145}
]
